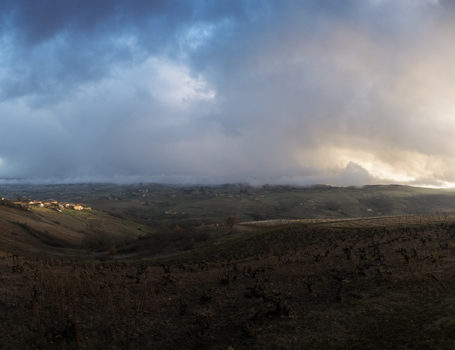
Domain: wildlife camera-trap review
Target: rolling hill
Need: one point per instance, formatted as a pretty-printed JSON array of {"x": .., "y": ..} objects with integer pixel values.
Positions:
[
  {"x": 68, "y": 233},
  {"x": 90, "y": 279}
]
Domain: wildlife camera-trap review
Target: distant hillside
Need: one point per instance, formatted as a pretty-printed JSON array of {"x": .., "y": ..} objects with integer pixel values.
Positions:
[{"x": 158, "y": 205}]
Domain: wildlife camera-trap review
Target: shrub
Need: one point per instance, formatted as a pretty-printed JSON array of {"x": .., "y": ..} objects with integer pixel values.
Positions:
[{"x": 231, "y": 221}]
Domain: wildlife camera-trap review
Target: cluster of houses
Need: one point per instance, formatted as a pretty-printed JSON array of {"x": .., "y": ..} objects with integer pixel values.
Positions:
[{"x": 52, "y": 204}]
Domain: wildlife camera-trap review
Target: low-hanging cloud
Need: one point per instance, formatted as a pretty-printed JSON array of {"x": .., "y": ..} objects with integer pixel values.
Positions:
[{"x": 301, "y": 92}]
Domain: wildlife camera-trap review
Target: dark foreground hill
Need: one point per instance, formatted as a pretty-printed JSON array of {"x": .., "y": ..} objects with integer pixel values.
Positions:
[{"x": 365, "y": 284}]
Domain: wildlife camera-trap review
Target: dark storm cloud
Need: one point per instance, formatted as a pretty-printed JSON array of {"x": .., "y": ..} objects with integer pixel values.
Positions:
[
  {"x": 38, "y": 21},
  {"x": 52, "y": 45},
  {"x": 291, "y": 91}
]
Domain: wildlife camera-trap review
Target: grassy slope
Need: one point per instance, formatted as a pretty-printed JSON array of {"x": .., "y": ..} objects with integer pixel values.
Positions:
[{"x": 44, "y": 231}]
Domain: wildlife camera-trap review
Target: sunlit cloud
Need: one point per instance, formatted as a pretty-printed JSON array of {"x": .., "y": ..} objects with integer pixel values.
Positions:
[{"x": 175, "y": 85}]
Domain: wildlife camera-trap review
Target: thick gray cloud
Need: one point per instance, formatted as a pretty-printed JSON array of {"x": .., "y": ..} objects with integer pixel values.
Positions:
[{"x": 315, "y": 91}]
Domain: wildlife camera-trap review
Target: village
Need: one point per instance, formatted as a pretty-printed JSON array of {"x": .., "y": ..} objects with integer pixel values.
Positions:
[{"x": 51, "y": 204}]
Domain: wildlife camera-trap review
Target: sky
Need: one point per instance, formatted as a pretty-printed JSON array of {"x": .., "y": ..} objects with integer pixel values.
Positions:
[{"x": 305, "y": 92}]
